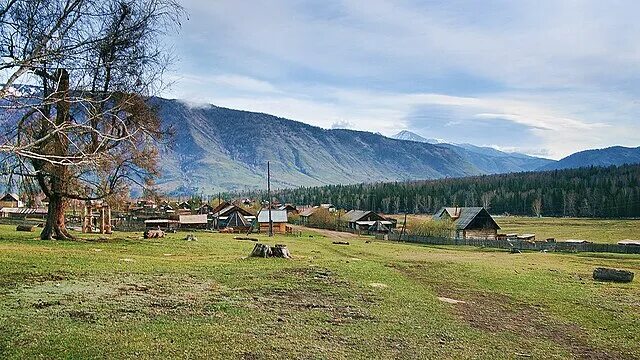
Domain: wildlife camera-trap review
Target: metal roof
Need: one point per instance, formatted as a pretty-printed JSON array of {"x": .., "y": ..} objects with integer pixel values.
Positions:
[
  {"x": 309, "y": 211},
  {"x": 277, "y": 216},
  {"x": 193, "y": 219},
  {"x": 356, "y": 215},
  {"x": 461, "y": 216}
]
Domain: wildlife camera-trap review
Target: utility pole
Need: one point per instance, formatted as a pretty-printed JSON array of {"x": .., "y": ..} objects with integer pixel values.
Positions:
[{"x": 269, "y": 195}]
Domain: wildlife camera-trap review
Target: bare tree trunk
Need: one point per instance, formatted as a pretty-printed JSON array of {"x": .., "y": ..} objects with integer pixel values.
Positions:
[{"x": 55, "y": 227}]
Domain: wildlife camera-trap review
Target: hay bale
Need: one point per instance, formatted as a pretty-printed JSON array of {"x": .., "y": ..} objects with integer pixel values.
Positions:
[{"x": 615, "y": 275}]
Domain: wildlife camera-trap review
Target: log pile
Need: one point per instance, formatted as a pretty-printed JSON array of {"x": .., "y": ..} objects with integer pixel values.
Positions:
[
  {"x": 266, "y": 251},
  {"x": 615, "y": 275}
]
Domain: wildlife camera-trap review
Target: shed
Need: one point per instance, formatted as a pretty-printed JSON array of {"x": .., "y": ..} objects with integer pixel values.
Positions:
[
  {"x": 469, "y": 222},
  {"x": 238, "y": 222},
  {"x": 279, "y": 219},
  {"x": 194, "y": 221},
  {"x": 354, "y": 216}
]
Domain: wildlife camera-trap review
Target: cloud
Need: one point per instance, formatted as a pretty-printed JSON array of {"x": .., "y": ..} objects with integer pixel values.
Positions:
[
  {"x": 343, "y": 124},
  {"x": 558, "y": 76}
]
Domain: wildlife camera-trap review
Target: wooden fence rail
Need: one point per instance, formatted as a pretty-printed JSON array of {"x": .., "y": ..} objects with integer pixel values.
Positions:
[{"x": 518, "y": 244}]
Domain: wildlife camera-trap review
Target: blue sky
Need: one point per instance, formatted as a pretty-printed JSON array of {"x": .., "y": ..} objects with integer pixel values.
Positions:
[{"x": 542, "y": 77}]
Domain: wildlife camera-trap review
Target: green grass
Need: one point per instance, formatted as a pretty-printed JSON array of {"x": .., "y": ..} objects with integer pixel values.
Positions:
[
  {"x": 594, "y": 230},
  {"x": 168, "y": 298}
]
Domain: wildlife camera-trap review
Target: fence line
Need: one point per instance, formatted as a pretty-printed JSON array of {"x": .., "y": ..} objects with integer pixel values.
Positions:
[{"x": 517, "y": 244}]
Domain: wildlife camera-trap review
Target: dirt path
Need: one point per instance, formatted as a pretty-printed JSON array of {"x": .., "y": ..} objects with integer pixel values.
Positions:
[{"x": 328, "y": 233}]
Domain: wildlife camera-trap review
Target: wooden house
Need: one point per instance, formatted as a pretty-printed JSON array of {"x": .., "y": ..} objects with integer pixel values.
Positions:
[
  {"x": 364, "y": 219},
  {"x": 290, "y": 209},
  {"x": 469, "y": 222},
  {"x": 278, "y": 218},
  {"x": 194, "y": 222},
  {"x": 238, "y": 222},
  {"x": 307, "y": 214},
  {"x": 11, "y": 201}
]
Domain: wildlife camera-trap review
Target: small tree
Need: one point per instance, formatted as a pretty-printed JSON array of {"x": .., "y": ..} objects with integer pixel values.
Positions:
[{"x": 537, "y": 207}]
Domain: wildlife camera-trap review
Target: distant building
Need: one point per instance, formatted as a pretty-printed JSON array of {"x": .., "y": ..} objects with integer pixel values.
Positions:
[
  {"x": 469, "y": 222},
  {"x": 193, "y": 221},
  {"x": 306, "y": 214},
  {"x": 11, "y": 201},
  {"x": 365, "y": 219},
  {"x": 278, "y": 218},
  {"x": 238, "y": 222},
  {"x": 289, "y": 208}
]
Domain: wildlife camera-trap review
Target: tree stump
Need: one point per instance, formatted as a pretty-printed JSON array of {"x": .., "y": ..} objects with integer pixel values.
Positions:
[
  {"x": 280, "y": 251},
  {"x": 261, "y": 250},
  {"x": 615, "y": 275},
  {"x": 265, "y": 251},
  {"x": 153, "y": 234},
  {"x": 29, "y": 228}
]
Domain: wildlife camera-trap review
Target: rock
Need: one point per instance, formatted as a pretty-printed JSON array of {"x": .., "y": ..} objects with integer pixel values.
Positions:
[
  {"x": 615, "y": 275},
  {"x": 191, "y": 237}
]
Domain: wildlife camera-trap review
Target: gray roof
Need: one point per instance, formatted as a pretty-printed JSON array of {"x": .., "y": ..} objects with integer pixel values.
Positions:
[
  {"x": 462, "y": 216},
  {"x": 277, "y": 216},
  {"x": 356, "y": 215},
  {"x": 309, "y": 211}
]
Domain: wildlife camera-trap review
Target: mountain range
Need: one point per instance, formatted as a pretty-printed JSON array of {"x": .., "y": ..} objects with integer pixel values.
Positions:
[{"x": 220, "y": 149}]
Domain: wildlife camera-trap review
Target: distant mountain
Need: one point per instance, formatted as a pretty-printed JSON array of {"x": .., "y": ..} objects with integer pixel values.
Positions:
[
  {"x": 411, "y": 136},
  {"x": 219, "y": 149},
  {"x": 616, "y": 155}
]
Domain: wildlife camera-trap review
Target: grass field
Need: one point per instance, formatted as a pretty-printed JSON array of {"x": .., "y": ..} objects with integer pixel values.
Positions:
[
  {"x": 594, "y": 230},
  {"x": 127, "y": 297}
]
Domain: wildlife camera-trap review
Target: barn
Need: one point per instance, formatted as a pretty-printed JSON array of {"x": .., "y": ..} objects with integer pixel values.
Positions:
[{"x": 469, "y": 222}]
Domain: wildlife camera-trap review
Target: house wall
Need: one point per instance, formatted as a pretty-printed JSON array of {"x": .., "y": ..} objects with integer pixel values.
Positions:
[
  {"x": 489, "y": 234},
  {"x": 279, "y": 228}
]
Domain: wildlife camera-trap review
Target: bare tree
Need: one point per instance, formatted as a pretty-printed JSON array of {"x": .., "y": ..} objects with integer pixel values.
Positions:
[
  {"x": 79, "y": 73},
  {"x": 537, "y": 206}
]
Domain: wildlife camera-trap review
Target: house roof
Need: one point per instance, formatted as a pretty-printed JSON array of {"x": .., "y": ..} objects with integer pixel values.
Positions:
[
  {"x": 226, "y": 211},
  {"x": 462, "y": 216},
  {"x": 277, "y": 216},
  {"x": 220, "y": 206},
  {"x": 357, "y": 215},
  {"x": 309, "y": 211},
  {"x": 193, "y": 219},
  {"x": 10, "y": 197}
]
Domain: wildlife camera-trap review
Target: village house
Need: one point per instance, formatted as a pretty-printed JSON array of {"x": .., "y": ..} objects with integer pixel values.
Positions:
[
  {"x": 11, "y": 201},
  {"x": 289, "y": 208},
  {"x": 306, "y": 214},
  {"x": 193, "y": 222},
  {"x": 365, "y": 219},
  {"x": 238, "y": 222},
  {"x": 222, "y": 212},
  {"x": 469, "y": 222},
  {"x": 278, "y": 218}
]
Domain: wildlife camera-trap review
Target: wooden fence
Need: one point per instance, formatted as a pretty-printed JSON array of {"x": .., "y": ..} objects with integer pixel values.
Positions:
[{"x": 517, "y": 244}]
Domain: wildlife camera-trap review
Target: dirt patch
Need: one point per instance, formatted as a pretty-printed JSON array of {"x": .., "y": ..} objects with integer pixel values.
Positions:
[{"x": 493, "y": 312}]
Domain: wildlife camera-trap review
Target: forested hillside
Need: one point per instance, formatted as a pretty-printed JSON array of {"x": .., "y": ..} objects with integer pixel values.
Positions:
[{"x": 587, "y": 192}]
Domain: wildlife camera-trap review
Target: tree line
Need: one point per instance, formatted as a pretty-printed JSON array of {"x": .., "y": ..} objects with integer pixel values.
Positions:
[{"x": 603, "y": 192}]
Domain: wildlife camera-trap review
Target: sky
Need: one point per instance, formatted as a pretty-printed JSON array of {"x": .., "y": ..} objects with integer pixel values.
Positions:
[{"x": 546, "y": 78}]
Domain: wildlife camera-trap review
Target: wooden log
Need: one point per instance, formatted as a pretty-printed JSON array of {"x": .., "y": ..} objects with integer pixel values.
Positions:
[
  {"x": 245, "y": 238},
  {"x": 29, "y": 228},
  {"x": 615, "y": 275},
  {"x": 341, "y": 243},
  {"x": 280, "y": 251},
  {"x": 261, "y": 250}
]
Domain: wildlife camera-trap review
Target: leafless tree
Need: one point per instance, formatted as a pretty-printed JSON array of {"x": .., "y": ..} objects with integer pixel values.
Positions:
[
  {"x": 77, "y": 76},
  {"x": 537, "y": 206}
]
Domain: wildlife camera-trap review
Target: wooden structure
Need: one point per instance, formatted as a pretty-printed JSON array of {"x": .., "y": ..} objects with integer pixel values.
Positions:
[
  {"x": 364, "y": 219},
  {"x": 10, "y": 201},
  {"x": 469, "y": 222},
  {"x": 97, "y": 218},
  {"x": 279, "y": 220},
  {"x": 194, "y": 221}
]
